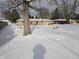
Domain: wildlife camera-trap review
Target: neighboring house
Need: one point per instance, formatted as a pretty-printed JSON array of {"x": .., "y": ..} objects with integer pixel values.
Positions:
[
  {"x": 60, "y": 21},
  {"x": 42, "y": 21},
  {"x": 36, "y": 22},
  {"x": 74, "y": 21},
  {"x": 47, "y": 21}
]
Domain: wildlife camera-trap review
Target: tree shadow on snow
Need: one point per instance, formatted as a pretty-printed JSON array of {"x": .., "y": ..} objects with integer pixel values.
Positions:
[
  {"x": 6, "y": 35},
  {"x": 39, "y": 52}
]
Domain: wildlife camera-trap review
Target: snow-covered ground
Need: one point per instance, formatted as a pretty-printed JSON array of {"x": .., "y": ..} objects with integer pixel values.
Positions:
[{"x": 45, "y": 42}]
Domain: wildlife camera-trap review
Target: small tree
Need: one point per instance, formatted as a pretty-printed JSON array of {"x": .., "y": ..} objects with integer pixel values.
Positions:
[
  {"x": 66, "y": 8},
  {"x": 77, "y": 16},
  {"x": 11, "y": 15},
  {"x": 44, "y": 13},
  {"x": 55, "y": 14}
]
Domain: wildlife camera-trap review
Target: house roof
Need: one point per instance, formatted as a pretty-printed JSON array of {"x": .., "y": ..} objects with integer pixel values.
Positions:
[
  {"x": 4, "y": 20},
  {"x": 60, "y": 20},
  {"x": 35, "y": 20},
  {"x": 39, "y": 20},
  {"x": 43, "y": 20}
]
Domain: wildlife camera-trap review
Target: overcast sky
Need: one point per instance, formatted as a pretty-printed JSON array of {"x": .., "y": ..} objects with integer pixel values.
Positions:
[{"x": 2, "y": 0}]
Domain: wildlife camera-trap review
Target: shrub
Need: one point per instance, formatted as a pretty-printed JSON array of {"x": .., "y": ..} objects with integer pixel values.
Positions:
[
  {"x": 55, "y": 14},
  {"x": 11, "y": 15},
  {"x": 3, "y": 24}
]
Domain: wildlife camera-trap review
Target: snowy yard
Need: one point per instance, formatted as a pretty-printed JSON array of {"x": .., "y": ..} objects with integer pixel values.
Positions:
[{"x": 45, "y": 42}]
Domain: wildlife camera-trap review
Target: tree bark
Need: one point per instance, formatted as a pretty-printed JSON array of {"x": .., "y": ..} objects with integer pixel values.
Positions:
[
  {"x": 67, "y": 19},
  {"x": 26, "y": 18}
]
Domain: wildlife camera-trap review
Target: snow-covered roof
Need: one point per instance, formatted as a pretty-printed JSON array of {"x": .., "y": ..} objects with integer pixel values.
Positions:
[
  {"x": 4, "y": 20},
  {"x": 36, "y": 20},
  {"x": 60, "y": 20},
  {"x": 39, "y": 19},
  {"x": 43, "y": 20}
]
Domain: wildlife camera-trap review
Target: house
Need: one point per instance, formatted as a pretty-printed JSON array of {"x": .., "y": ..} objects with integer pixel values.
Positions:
[
  {"x": 73, "y": 21},
  {"x": 60, "y": 21},
  {"x": 42, "y": 21},
  {"x": 36, "y": 22}
]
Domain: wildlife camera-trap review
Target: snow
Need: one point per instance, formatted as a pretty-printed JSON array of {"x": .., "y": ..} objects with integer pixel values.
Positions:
[
  {"x": 4, "y": 20},
  {"x": 60, "y": 20},
  {"x": 39, "y": 19},
  {"x": 45, "y": 42},
  {"x": 36, "y": 19}
]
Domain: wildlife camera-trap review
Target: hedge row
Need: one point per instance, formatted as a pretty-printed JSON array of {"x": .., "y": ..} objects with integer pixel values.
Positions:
[{"x": 3, "y": 24}]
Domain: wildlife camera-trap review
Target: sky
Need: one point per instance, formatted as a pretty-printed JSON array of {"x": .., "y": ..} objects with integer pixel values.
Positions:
[{"x": 2, "y": 0}]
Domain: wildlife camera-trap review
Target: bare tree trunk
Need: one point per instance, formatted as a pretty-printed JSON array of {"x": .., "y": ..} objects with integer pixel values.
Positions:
[
  {"x": 67, "y": 20},
  {"x": 26, "y": 18}
]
